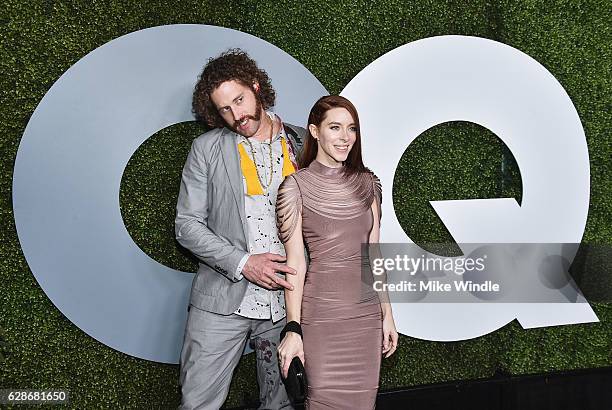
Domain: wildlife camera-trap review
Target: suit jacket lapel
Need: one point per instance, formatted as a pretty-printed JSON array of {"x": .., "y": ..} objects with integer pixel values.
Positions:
[
  {"x": 296, "y": 145},
  {"x": 229, "y": 152}
]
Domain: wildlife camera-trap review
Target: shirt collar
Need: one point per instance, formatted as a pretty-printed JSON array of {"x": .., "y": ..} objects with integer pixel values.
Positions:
[{"x": 276, "y": 137}]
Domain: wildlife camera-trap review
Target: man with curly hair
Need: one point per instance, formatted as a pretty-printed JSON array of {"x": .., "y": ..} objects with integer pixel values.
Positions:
[{"x": 226, "y": 218}]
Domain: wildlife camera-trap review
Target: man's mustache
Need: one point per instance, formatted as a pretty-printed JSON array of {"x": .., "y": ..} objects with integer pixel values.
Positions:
[{"x": 237, "y": 122}]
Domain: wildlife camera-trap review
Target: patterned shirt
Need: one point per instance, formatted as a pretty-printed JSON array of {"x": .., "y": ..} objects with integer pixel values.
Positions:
[{"x": 260, "y": 211}]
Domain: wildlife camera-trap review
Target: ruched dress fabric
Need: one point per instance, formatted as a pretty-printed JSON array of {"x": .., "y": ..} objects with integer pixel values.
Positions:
[{"x": 341, "y": 316}]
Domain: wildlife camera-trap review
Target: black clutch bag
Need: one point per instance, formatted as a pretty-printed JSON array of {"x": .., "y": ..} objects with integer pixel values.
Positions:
[{"x": 296, "y": 383}]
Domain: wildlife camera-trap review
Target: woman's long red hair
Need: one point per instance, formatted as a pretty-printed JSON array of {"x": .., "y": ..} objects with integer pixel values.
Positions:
[{"x": 354, "y": 162}]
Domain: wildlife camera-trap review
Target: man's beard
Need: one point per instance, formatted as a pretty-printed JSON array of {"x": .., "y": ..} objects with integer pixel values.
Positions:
[{"x": 255, "y": 117}]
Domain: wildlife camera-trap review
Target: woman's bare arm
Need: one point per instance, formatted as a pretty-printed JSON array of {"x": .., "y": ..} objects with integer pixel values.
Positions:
[{"x": 294, "y": 249}]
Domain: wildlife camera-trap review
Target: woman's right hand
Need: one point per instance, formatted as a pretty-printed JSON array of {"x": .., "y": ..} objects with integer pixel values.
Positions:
[{"x": 290, "y": 346}]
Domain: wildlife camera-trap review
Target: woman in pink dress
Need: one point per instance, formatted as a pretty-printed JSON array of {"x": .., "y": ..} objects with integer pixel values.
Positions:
[{"x": 332, "y": 205}]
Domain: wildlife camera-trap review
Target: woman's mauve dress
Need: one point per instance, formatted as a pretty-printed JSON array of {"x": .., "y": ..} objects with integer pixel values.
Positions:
[{"x": 341, "y": 316}]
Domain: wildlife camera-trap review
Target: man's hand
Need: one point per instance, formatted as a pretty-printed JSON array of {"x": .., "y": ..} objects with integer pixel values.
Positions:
[{"x": 261, "y": 269}]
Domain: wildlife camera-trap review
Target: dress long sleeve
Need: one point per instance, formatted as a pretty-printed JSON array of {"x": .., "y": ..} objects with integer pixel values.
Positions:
[{"x": 288, "y": 208}]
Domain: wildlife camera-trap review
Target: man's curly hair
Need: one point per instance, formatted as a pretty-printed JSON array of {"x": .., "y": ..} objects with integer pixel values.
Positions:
[{"x": 233, "y": 64}]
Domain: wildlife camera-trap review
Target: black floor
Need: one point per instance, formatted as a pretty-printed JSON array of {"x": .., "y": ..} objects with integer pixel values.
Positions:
[{"x": 577, "y": 390}]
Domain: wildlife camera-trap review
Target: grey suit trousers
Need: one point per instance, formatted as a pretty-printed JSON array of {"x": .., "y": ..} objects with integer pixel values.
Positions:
[{"x": 212, "y": 347}]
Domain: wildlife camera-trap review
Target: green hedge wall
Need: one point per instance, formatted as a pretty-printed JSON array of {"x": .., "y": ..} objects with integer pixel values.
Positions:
[{"x": 39, "y": 40}]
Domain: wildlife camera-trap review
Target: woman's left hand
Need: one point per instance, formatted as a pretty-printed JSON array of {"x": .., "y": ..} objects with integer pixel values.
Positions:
[{"x": 390, "y": 336}]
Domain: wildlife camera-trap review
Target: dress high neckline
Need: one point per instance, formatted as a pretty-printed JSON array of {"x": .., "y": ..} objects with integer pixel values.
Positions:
[{"x": 319, "y": 168}]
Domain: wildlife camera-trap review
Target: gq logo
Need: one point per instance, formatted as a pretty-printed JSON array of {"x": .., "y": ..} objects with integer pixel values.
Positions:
[{"x": 84, "y": 131}]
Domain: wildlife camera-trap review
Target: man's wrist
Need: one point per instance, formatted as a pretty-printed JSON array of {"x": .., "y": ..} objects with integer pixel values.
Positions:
[{"x": 238, "y": 274}]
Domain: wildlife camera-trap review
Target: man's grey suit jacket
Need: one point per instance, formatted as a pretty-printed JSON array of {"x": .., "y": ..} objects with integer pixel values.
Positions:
[{"x": 210, "y": 219}]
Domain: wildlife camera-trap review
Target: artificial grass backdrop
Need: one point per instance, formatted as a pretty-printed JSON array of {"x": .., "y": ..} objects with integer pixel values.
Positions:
[{"x": 39, "y": 40}]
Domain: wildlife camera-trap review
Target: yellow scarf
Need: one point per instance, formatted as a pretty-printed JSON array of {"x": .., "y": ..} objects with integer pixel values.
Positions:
[{"x": 250, "y": 172}]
